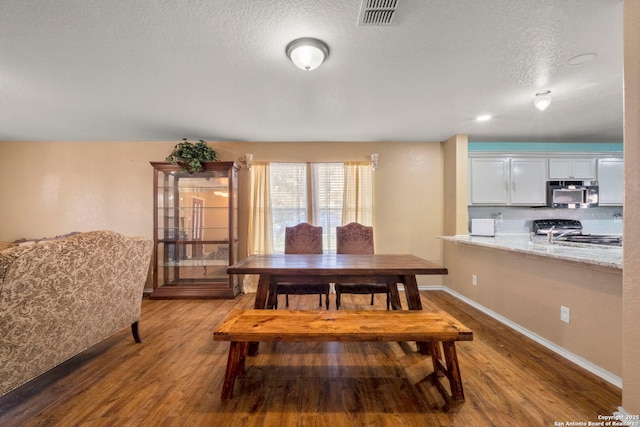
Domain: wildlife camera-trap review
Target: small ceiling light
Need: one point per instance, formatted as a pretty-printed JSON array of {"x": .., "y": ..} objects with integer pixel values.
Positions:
[
  {"x": 483, "y": 118},
  {"x": 542, "y": 99},
  {"x": 307, "y": 53}
]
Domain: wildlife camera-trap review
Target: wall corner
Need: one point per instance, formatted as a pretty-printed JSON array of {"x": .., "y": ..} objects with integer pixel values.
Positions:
[{"x": 455, "y": 153}]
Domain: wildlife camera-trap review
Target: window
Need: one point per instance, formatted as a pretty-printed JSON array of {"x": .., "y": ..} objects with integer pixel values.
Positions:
[
  {"x": 288, "y": 192},
  {"x": 328, "y": 195},
  {"x": 306, "y": 192}
]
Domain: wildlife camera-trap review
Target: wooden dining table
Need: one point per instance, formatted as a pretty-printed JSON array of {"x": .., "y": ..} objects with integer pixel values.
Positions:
[{"x": 338, "y": 268}]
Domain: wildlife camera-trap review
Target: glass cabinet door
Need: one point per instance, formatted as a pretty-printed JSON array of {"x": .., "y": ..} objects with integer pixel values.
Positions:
[{"x": 195, "y": 231}]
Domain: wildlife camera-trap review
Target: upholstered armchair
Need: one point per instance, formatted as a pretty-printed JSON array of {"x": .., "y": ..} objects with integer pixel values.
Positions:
[
  {"x": 60, "y": 296},
  {"x": 355, "y": 238},
  {"x": 303, "y": 238}
]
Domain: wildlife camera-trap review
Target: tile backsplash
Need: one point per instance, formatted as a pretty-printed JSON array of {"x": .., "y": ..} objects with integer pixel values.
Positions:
[{"x": 518, "y": 220}]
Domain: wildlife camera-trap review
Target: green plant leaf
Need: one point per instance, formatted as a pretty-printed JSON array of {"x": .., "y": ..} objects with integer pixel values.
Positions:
[{"x": 190, "y": 155}]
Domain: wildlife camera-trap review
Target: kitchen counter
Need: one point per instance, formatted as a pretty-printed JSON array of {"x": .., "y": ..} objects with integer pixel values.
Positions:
[
  {"x": 605, "y": 256},
  {"x": 525, "y": 284}
]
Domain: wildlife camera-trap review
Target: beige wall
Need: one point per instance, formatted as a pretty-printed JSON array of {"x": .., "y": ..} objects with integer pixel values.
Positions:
[
  {"x": 52, "y": 188},
  {"x": 529, "y": 290},
  {"x": 631, "y": 326},
  {"x": 59, "y": 187},
  {"x": 456, "y": 158}
]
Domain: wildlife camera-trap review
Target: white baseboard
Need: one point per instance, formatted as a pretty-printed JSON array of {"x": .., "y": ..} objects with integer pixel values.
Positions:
[{"x": 580, "y": 361}]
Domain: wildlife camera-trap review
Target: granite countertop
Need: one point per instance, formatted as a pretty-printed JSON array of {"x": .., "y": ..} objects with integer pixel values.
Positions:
[{"x": 606, "y": 256}]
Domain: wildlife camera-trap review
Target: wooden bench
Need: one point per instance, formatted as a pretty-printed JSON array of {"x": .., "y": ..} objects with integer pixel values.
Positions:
[{"x": 242, "y": 327}]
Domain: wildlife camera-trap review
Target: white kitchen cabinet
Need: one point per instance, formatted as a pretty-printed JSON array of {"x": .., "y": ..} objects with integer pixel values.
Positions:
[
  {"x": 489, "y": 179},
  {"x": 572, "y": 168},
  {"x": 508, "y": 181},
  {"x": 528, "y": 184},
  {"x": 611, "y": 181}
]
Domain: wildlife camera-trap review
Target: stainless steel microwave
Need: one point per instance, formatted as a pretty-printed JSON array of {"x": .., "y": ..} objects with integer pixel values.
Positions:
[{"x": 572, "y": 194}]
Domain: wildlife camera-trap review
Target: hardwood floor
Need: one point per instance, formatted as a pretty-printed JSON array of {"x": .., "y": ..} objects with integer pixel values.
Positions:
[{"x": 174, "y": 378}]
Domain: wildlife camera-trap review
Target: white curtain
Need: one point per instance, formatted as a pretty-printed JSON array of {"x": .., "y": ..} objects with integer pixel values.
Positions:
[
  {"x": 260, "y": 233},
  {"x": 357, "y": 203}
]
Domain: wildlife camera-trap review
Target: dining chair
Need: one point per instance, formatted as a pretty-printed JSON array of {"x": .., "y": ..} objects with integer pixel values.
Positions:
[
  {"x": 355, "y": 238},
  {"x": 303, "y": 238}
]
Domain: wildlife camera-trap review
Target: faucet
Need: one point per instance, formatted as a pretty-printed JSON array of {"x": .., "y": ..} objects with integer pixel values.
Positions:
[
  {"x": 550, "y": 234},
  {"x": 553, "y": 238}
]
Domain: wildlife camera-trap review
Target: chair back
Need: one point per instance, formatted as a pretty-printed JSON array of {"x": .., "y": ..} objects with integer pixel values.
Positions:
[
  {"x": 354, "y": 238},
  {"x": 303, "y": 238}
]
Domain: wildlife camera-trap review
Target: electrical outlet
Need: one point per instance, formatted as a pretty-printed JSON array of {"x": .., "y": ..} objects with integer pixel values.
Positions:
[
  {"x": 565, "y": 314},
  {"x": 474, "y": 280}
]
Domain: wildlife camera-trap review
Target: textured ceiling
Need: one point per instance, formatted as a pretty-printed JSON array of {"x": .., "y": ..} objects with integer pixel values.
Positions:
[{"x": 149, "y": 70}]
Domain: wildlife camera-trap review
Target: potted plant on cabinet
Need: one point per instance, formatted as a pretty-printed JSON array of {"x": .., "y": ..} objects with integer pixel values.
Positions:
[{"x": 190, "y": 155}]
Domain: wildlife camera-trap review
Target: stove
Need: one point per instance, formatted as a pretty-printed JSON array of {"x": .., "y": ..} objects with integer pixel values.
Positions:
[
  {"x": 557, "y": 226},
  {"x": 595, "y": 239},
  {"x": 570, "y": 230}
]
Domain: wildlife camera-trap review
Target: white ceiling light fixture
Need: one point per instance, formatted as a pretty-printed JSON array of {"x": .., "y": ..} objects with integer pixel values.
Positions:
[
  {"x": 484, "y": 118},
  {"x": 542, "y": 100},
  {"x": 307, "y": 53}
]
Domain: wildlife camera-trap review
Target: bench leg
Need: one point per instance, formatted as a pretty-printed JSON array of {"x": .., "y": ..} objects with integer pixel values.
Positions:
[
  {"x": 436, "y": 357},
  {"x": 235, "y": 367},
  {"x": 423, "y": 348},
  {"x": 455, "y": 380},
  {"x": 449, "y": 368}
]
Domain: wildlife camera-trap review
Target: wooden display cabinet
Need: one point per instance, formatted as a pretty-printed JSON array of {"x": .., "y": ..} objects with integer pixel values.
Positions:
[{"x": 195, "y": 231}]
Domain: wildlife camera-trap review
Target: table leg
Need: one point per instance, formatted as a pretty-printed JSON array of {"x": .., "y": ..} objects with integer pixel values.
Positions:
[
  {"x": 263, "y": 291},
  {"x": 394, "y": 296},
  {"x": 414, "y": 303},
  {"x": 413, "y": 294},
  {"x": 272, "y": 301},
  {"x": 262, "y": 295}
]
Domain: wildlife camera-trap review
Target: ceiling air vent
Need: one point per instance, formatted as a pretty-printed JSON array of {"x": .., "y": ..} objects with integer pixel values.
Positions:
[{"x": 377, "y": 12}]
